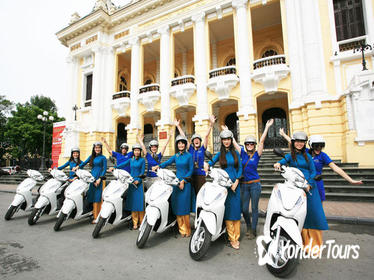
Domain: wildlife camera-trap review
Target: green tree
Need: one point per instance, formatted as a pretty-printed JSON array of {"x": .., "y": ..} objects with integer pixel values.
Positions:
[
  {"x": 5, "y": 108},
  {"x": 25, "y": 131}
]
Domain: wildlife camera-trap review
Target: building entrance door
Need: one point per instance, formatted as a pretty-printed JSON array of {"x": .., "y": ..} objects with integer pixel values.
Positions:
[{"x": 273, "y": 138}]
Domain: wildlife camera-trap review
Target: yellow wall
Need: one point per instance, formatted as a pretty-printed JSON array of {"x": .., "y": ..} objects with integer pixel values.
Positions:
[
  {"x": 330, "y": 120},
  {"x": 268, "y": 38}
]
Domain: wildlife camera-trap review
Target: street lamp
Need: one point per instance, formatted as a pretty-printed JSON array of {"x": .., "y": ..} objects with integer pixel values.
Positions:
[
  {"x": 44, "y": 118},
  {"x": 362, "y": 48}
]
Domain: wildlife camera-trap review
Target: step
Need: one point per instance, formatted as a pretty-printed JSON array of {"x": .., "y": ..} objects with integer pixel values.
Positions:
[
  {"x": 336, "y": 188},
  {"x": 336, "y": 196}
]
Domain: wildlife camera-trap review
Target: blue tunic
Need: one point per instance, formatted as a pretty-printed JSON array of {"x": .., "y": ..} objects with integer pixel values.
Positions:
[
  {"x": 152, "y": 162},
  {"x": 120, "y": 158},
  {"x": 98, "y": 170},
  {"x": 321, "y": 160},
  {"x": 181, "y": 199},
  {"x": 135, "y": 194},
  {"x": 315, "y": 216},
  {"x": 198, "y": 160},
  {"x": 71, "y": 165},
  {"x": 250, "y": 171},
  {"x": 232, "y": 203}
]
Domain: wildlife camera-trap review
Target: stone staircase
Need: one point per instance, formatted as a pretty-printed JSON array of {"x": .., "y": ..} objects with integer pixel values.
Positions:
[{"x": 336, "y": 187}]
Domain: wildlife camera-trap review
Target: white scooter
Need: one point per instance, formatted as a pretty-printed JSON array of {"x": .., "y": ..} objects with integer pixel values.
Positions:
[
  {"x": 50, "y": 196},
  {"x": 23, "y": 198},
  {"x": 210, "y": 210},
  {"x": 284, "y": 221},
  {"x": 158, "y": 214},
  {"x": 75, "y": 204},
  {"x": 114, "y": 196}
]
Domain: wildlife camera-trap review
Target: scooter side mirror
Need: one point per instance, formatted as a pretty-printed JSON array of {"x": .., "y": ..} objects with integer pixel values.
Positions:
[
  {"x": 279, "y": 152},
  {"x": 208, "y": 155}
]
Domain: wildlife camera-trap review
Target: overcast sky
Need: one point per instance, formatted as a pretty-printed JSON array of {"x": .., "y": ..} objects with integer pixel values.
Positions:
[{"x": 33, "y": 61}]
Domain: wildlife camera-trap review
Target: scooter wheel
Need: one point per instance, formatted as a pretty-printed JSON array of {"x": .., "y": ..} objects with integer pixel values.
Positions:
[
  {"x": 144, "y": 232},
  {"x": 9, "y": 214},
  {"x": 283, "y": 270},
  {"x": 34, "y": 216},
  {"x": 59, "y": 222},
  {"x": 200, "y": 242},
  {"x": 98, "y": 227}
]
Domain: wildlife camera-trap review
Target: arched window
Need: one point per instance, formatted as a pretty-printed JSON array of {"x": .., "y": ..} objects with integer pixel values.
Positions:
[
  {"x": 122, "y": 83},
  {"x": 231, "y": 62},
  {"x": 268, "y": 53}
]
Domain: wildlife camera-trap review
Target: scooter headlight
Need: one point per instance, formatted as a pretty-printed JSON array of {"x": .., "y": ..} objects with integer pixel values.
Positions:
[
  {"x": 298, "y": 201},
  {"x": 279, "y": 194}
]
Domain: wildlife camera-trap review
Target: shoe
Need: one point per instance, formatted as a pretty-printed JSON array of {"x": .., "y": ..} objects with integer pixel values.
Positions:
[
  {"x": 235, "y": 245},
  {"x": 252, "y": 234},
  {"x": 248, "y": 232}
]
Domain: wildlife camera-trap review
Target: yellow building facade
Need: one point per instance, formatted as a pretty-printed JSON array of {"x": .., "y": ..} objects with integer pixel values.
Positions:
[{"x": 136, "y": 68}]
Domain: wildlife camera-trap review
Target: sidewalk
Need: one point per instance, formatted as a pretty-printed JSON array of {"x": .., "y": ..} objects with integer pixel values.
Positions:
[{"x": 345, "y": 212}]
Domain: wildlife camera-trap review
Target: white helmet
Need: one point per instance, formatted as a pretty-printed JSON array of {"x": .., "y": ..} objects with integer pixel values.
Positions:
[
  {"x": 316, "y": 139},
  {"x": 153, "y": 143},
  {"x": 124, "y": 146},
  {"x": 98, "y": 143},
  {"x": 180, "y": 138},
  {"x": 136, "y": 146},
  {"x": 299, "y": 135},
  {"x": 250, "y": 139},
  {"x": 226, "y": 134},
  {"x": 196, "y": 136},
  {"x": 75, "y": 149}
]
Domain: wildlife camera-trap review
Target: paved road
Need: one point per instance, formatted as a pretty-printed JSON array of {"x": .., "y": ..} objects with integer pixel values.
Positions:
[{"x": 38, "y": 252}]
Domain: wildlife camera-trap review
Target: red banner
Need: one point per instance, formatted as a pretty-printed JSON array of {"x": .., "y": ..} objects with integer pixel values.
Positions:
[{"x": 58, "y": 128}]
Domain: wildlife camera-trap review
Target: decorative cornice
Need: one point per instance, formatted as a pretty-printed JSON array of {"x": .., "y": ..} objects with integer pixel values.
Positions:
[
  {"x": 134, "y": 41},
  {"x": 200, "y": 17},
  {"x": 164, "y": 30},
  {"x": 237, "y": 4}
]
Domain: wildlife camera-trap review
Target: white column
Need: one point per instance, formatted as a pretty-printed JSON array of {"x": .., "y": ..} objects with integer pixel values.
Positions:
[
  {"x": 200, "y": 63},
  {"x": 135, "y": 83},
  {"x": 184, "y": 62},
  {"x": 157, "y": 70},
  {"x": 313, "y": 52},
  {"x": 165, "y": 72},
  {"x": 295, "y": 53},
  {"x": 243, "y": 58},
  {"x": 97, "y": 86},
  {"x": 72, "y": 87},
  {"x": 214, "y": 55},
  {"x": 108, "y": 90}
]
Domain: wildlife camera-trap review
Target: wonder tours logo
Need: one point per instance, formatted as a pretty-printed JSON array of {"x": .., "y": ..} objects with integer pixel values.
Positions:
[{"x": 269, "y": 250}]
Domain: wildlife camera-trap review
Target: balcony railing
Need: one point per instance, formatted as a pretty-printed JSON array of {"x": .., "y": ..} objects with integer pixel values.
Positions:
[
  {"x": 352, "y": 43},
  {"x": 227, "y": 70},
  {"x": 148, "y": 88},
  {"x": 187, "y": 79},
  {"x": 268, "y": 61},
  {"x": 121, "y": 94}
]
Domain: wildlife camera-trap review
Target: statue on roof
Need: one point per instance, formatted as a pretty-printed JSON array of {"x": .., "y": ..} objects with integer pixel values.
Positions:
[
  {"x": 74, "y": 18},
  {"x": 105, "y": 5}
]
